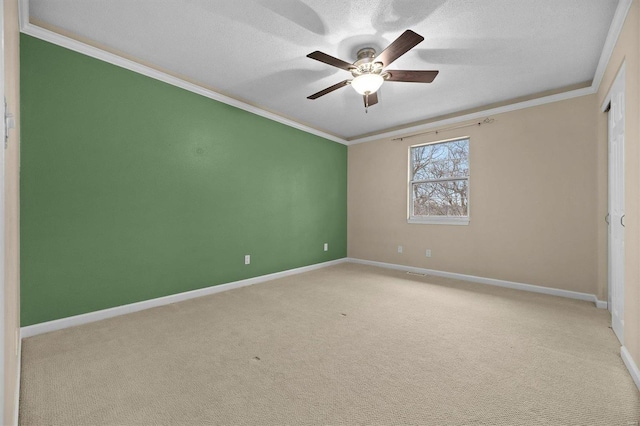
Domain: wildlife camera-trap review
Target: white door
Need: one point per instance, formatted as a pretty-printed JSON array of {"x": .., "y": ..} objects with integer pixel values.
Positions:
[{"x": 616, "y": 204}]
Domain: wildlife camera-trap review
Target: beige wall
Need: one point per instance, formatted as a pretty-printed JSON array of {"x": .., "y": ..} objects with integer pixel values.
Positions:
[
  {"x": 533, "y": 201},
  {"x": 628, "y": 49},
  {"x": 538, "y": 196},
  {"x": 12, "y": 260}
]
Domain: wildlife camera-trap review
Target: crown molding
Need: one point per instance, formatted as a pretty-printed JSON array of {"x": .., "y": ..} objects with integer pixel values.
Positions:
[
  {"x": 612, "y": 37},
  {"x": 27, "y": 27},
  {"x": 23, "y": 13},
  {"x": 409, "y": 131},
  {"x": 615, "y": 29}
]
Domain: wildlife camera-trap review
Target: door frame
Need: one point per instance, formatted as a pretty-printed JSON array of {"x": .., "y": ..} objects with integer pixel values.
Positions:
[
  {"x": 618, "y": 85},
  {"x": 3, "y": 129}
]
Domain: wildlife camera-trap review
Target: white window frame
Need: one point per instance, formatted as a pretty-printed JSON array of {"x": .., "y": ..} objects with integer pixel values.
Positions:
[{"x": 438, "y": 220}]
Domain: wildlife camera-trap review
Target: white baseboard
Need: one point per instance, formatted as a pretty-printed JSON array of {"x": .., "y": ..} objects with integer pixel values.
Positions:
[
  {"x": 16, "y": 407},
  {"x": 601, "y": 304},
  {"x": 45, "y": 327},
  {"x": 490, "y": 281},
  {"x": 631, "y": 365}
]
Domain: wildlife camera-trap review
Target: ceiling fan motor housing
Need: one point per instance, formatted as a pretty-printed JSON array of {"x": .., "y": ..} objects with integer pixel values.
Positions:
[{"x": 365, "y": 63}]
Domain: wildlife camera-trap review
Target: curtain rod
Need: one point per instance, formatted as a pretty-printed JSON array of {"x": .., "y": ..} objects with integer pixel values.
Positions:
[{"x": 480, "y": 123}]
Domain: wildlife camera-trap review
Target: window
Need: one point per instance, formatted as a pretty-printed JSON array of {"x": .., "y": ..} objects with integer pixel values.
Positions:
[{"x": 439, "y": 182}]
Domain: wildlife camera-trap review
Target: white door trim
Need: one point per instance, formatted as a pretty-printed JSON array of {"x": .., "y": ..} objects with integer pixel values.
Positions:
[
  {"x": 615, "y": 105},
  {"x": 604, "y": 107},
  {"x": 2, "y": 213}
]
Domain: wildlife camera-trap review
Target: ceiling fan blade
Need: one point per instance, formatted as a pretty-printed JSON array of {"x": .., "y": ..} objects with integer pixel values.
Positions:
[
  {"x": 399, "y": 47},
  {"x": 412, "y": 76},
  {"x": 328, "y": 59},
  {"x": 371, "y": 100},
  {"x": 329, "y": 89}
]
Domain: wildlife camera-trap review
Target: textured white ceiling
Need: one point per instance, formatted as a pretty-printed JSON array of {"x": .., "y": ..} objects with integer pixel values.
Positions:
[{"x": 487, "y": 51}]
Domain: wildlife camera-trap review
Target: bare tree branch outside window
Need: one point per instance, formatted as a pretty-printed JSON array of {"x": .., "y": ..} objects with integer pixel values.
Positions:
[{"x": 440, "y": 179}]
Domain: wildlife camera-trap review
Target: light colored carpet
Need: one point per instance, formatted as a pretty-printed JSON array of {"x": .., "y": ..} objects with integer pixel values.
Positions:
[{"x": 349, "y": 344}]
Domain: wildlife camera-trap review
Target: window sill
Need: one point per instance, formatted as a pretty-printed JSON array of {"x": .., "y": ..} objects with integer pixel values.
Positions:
[{"x": 439, "y": 221}]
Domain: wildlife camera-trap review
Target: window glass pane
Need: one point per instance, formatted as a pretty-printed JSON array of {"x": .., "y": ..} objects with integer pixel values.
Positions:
[
  {"x": 440, "y": 198},
  {"x": 441, "y": 160}
]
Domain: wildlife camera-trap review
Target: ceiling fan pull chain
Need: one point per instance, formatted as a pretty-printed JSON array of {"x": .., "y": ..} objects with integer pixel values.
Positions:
[{"x": 366, "y": 103}]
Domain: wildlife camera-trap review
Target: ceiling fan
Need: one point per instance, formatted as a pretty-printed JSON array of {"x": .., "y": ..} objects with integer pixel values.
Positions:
[{"x": 369, "y": 72}]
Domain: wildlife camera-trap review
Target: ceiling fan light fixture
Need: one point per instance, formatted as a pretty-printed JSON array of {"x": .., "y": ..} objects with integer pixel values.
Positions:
[
  {"x": 367, "y": 83},
  {"x": 369, "y": 71}
]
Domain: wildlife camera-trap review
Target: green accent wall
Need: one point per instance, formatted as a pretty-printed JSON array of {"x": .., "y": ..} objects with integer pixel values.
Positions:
[{"x": 133, "y": 189}]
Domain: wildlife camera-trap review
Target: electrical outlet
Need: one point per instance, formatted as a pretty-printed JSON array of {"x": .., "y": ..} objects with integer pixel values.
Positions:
[
  {"x": 427, "y": 253},
  {"x": 326, "y": 246},
  {"x": 399, "y": 249},
  {"x": 247, "y": 259}
]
